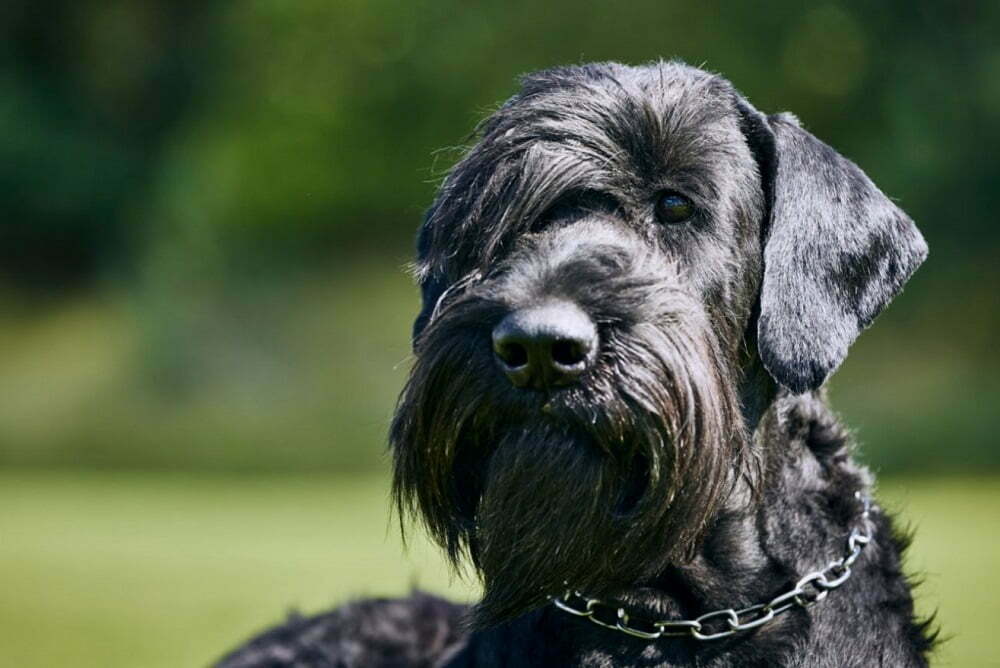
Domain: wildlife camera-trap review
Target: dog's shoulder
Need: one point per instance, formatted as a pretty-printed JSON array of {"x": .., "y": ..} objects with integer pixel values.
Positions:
[{"x": 418, "y": 630}]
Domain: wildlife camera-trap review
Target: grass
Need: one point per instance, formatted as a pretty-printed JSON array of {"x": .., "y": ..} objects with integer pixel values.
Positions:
[{"x": 150, "y": 570}]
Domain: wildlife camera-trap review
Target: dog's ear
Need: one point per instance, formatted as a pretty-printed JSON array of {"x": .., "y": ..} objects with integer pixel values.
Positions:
[{"x": 836, "y": 251}]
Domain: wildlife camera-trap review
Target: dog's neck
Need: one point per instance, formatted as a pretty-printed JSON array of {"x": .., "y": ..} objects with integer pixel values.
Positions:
[
  {"x": 756, "y": 547},
  {"x": 763, "y": 537}
]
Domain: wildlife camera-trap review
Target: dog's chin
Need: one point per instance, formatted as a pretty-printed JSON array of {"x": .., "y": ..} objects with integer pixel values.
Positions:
[{"x": 557, "y": 510}]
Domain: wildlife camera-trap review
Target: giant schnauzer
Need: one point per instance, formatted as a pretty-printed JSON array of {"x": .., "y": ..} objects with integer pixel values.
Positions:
[{"x": 634, "y": 288}]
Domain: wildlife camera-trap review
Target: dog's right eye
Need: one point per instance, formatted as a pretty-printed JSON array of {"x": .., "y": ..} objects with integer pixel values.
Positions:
[{"x": 673, "y": 207}]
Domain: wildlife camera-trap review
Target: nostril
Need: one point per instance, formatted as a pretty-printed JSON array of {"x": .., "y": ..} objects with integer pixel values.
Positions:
[
  {"x": 569, "y": 352},
  {"x": 511, "y": 353}
]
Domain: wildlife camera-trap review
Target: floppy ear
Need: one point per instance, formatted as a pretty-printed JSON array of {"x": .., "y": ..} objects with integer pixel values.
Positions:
[{"x": 836, "y": 252}]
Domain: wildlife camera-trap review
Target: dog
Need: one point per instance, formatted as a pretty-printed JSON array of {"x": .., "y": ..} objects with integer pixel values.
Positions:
[{"x": 634, "y": 286}]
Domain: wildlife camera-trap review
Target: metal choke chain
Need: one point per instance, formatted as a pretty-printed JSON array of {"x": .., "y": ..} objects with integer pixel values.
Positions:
[{"x": 811, "y": 588}]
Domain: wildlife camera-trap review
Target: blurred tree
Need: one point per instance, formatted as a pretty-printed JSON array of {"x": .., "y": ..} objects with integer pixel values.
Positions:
[
  {"x": 88, "y": 94},
  {"x": 305, "y": 127},
  {"x": 250, "y": 176}
]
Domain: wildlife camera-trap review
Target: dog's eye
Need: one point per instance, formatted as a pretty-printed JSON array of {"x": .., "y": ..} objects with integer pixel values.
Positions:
[{"x": 674, "y": 208}]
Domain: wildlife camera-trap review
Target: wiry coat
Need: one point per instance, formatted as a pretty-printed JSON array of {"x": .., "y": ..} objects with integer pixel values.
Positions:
[{"x": 695, "y": 466}]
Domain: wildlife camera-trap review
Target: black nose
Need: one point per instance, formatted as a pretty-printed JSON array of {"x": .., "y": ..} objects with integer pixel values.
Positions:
[{"x": 543, "y": 346}]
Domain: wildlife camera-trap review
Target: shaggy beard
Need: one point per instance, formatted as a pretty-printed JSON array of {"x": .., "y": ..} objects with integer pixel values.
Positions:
[{"x": 600, "y": 486}]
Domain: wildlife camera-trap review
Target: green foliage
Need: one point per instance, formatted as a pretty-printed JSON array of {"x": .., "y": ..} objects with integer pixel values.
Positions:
[
  {"x": 229, "y": 190},
  {"x": 314, "y": 122},
  {"x": 286, "y": 374}
]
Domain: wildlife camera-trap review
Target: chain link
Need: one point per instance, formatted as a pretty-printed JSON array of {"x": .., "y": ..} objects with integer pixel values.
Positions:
[{"x": 810, "y": 589}]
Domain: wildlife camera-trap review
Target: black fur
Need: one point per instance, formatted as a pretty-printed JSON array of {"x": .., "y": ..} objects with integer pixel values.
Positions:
[{"x": 696, "y": 464}]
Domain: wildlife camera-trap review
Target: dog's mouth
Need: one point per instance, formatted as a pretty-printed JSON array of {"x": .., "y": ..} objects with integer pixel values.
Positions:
[
  {"x": 553, "y": 505},
  {"x": 634, "y": 476},
  {"x": 558, "y": 409}
]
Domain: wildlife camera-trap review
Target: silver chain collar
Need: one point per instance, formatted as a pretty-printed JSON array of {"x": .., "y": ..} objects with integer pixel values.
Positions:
[{"x": 811, "y": 588}]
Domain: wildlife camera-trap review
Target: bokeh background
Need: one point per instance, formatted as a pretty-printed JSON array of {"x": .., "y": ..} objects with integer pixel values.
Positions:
[{"x": 205, "y": 212}]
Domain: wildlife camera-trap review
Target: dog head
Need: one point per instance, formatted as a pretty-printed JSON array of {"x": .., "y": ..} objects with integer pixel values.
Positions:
[{"x": 605, "y": 276}]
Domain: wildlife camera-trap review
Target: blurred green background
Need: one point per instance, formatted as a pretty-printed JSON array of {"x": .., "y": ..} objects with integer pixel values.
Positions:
[{"x": 205, "y": 211}]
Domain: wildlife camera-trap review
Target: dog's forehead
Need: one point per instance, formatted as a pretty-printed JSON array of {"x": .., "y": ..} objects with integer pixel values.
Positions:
[
  {"x": 625, "y": 132},
  {"x": 658, "y": 114}
]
